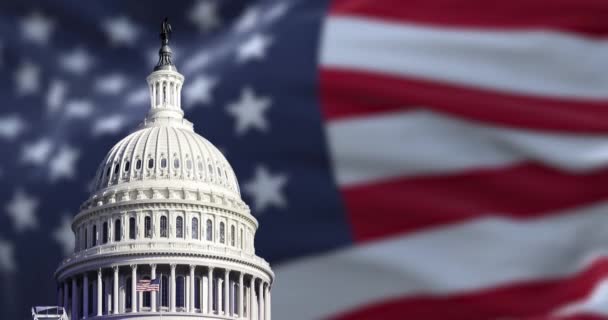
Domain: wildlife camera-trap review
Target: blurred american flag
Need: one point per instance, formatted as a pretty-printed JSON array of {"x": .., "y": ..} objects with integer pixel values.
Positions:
[{"x": 439, "y": 159}]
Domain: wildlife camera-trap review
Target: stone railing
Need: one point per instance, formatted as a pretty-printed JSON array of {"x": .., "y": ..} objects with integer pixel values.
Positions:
[{"x": 147, "y": 247}]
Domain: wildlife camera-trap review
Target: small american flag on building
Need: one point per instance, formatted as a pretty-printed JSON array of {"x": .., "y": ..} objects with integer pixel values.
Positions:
[{"x": 148, "y": 285}]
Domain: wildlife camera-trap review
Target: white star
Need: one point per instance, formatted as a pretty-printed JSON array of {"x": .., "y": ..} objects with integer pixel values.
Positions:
[
  {"x": 109, "y": 125},
  {"x": 38, "y": 152},
  {"x": 37, "y": 28},
  {"x": 247, "y": 20},
  {"x": 7, "y": 259},
  {"x": 64, "y": 235},
  {"x": 199, "y": 90},
  {"x": 254, "y": 48},
  {"x": 78, "y": 109},
  {"x": 111, "y": 84},
  {"x": 249, "y": 111},
  {"x": 27, "y": 78},
  {"x": 77, "y": 61},
  {"x": 56, "y": 95},
  {"x": 22, "y": 210},
  {"x": 265, "y": 189},
  {"x": 121, "y": 31},
  {"x": 204, "y": 15},
  {"x": 276, "y": 11},
  {"x": 138, "y": 97},
  {"x": 11, "y": 126},
  {"x": 198, "y": 60},
  {"x": 63, "y": 164}
]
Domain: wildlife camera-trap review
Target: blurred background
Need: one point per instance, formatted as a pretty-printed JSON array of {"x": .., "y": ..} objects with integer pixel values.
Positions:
[{"x": 437, "y": 159}]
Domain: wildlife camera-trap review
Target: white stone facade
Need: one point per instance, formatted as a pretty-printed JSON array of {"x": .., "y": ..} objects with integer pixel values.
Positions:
[{"x": 166, "y": 204}]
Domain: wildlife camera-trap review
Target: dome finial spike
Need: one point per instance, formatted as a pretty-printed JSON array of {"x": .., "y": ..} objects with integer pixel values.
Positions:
[{"x": 164, "y": 53}]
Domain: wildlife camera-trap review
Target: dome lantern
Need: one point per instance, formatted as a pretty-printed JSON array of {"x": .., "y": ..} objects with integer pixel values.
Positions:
[{"x": 165, "y": 82}]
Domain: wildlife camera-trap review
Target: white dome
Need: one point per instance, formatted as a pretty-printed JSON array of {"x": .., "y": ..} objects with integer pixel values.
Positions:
[{"x": 158, "y": 152}]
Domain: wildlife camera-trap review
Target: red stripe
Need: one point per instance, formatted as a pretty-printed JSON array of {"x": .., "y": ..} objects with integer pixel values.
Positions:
[
  {"x": 531, "y": 300},
  {"x": 589, "y": 17},
  {"x": 353, "y": 93},
  {"x": 521, "y": 191}
]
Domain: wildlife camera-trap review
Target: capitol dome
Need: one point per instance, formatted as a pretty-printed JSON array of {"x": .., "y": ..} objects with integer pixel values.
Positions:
[{"x": 165, "y": 231}]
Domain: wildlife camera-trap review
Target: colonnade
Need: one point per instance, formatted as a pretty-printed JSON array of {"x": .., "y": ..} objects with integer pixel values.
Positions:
[{"x": 183, "y": 289}]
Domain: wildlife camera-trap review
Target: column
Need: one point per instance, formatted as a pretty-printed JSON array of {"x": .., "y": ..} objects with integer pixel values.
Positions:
[
  {"x": 66, "y": 292},
  {"x": 115, "y": 290},
  {"x": 241, "y": 295},
  {"x": 99, "y": 293},
  {"x": 210, "y": 293},
  {"x": 74, "y": 298},
  {"x": 192, "y": 289},
  {"x": 267, "y": 301},
  {"x": 261, "y": 300},
  {"x": 227, "y": 292},
  {"x": 133, "y": 288},
  {"x": 251, "y": 297},
  {"x": 108, "y": 294},
  {"x": 153, "y": 293},
  {"x": 85, "y": 296},
  {"x": 220, "y": 298},
  {"x": 172, "y": 287}
]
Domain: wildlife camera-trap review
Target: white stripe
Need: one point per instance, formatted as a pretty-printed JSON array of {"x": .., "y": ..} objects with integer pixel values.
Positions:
[
  {"x": 411, "y": 143},
  {"x": 530, "y": 62},
  {"x": 480, "y": 254}
]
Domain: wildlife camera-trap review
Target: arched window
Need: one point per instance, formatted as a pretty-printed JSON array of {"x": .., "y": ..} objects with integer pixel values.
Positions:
[
  {"x": 232, "y": 236},
  {"x": 179, "y": 227},
  {"x": 210, "y": 168},
  {"x": 148, "y": 227},
  {"x": 165, "y": 291},
  {"x": 197, "y": 293},
  {"x": 138, "y": 164},
  {"x": 116, "y": 168},
  {"x": 189, "y": 164},
  {"x": 105, "y": 233},
  {"x": 94, "y": 235},
  {"x": 242, "y": 240},
  {"x": 163, "y": 163},
  {"x": 194, "y": 228},
  {"x": 128, "y": 291},
  {"x": 86, "y": 238},
  {"x": 150, "y": 163},
  {"x": 117, "y": 230},
  {"x": 147, "y": 296},
  {"x": 179, "y": 286},
  {"x": 200, "y": 165},
  {"x": 132, "y": 228},
  {"x": 108, "y": 171},
  {"x": 209, "y": 230},
  {"x": 176, "y": 163},
  {"x": 163, "y": 227},
  {"x": 222, "y": 233}
]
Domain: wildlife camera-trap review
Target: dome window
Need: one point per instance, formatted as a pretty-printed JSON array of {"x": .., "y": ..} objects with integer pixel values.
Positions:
[
  {"x": 222, "y": 233},
  {"x": 210, "y": 169},
  {"x": 104, "y": 237},
  {"x": 86, "y": 238},
  {"x": 209, "y": 230},
  {"x": 117, "y": 233},
  {"x": 127, "y": 166},
  {"x": 163, "y": 163},
  {"x": 148, "y": 227},
  {"x": 179, "y": 227},
  {"x": 195, "y": 228},
  {"x": 189, "y": 164},
  {"x": 200, "y": 165},
  {"x": 132, "y": 228},
  {"x": 163, "y": 227},
  {"x": 108, "y": 171},
  {"x": 94, "y": 236},
  {"x": 116, "y": 168},
  {"x": 232, "y": 236},
  {"x": 138, "y": 164},
  {"x": 219, "y": 172},
  {"x": 176, "y": 163},
  {"x": 150, "y": 163}
]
